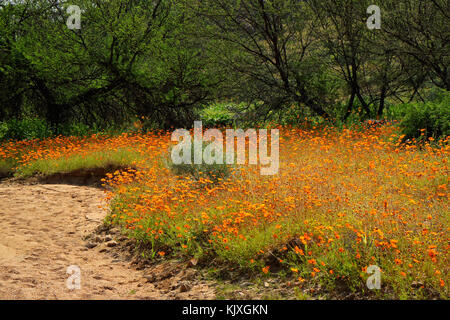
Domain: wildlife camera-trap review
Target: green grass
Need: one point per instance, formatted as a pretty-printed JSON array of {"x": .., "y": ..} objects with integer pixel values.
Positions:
[
  {"x": 123, "y": 157},
  {"x": 7, "y": 167}
]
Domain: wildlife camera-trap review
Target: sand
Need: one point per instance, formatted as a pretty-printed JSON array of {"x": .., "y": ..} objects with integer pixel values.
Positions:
[{"x": 44, "y": 230}]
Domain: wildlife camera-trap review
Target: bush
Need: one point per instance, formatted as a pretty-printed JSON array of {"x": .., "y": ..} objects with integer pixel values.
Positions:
[
  {"x": 24, "y": 129},
  {"x": 427, "y": 119},
  {"x": 29, "y": 128},
  {"x": 217, "y": 115},
  {"x": 6, "y": 167},
  {"x": 78, "y": 129}
]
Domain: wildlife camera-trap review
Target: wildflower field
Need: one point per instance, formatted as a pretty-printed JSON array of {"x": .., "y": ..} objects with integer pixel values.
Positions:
[{"x": 343, "y": 200}]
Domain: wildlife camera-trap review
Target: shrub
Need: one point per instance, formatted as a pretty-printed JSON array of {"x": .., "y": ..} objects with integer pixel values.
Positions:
[
  {"x": 427, "y": 119},
  {"x": 78, "y": 129},
  {"x": 217, "y": 115},
  {"x": 6, "y": 167},
  {"x": 24, "y": 129}
]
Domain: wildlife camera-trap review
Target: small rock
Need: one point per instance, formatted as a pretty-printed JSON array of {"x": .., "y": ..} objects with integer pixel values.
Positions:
[
  {"x": 108, "y": 238},
  {"x": 184, "y": 287},
  {"x": 188, "y": 274},
  {"x": 91, "y": 245},
  {"x": 351, "y": 296},
  {"x": 266, "y": 284},
  {"x": 150, "y": 277},
  {"x": 111, "y": 243},
  {"x": 193, "y": 262}
]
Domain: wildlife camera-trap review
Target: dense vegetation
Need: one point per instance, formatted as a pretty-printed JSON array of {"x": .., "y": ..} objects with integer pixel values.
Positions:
[
  {"x": 165, "y": 60},
  {"x": 342, "y": 201},
  {"x": 364, "y": 119}
]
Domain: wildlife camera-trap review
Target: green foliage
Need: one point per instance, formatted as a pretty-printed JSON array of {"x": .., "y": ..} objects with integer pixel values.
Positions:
[
  {"x": 433, "y": 116},
  {"x": 25, "y": 129},
  {"x": 30, "y": 128},
  {"x": 164, "y": 59},
  {"x": 217, "y": 115},
  {"x": 7, "y": 167},
  {"x": 297, "y": 116},
  {"x": 121, "y": 63}
]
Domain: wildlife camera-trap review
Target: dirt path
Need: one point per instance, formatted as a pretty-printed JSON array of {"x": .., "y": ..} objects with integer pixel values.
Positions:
[{"x": 42, "y": 232}]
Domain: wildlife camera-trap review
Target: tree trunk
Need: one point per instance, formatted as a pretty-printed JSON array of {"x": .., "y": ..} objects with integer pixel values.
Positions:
[
  {"x": 382, "y": 100},
  {"x": 350, "y": 105}
]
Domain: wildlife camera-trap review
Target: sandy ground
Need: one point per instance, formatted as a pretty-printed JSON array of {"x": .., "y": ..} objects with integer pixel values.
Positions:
[{"x": 43, "y": 231}]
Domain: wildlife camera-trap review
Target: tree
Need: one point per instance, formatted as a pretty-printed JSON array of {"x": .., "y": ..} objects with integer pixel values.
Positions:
[
  {"x": 126, "y": 59},
  {"x": 270, "y": 46},
  {"x": 422, "y": 28},
  {"x": 367, "y": 60}
]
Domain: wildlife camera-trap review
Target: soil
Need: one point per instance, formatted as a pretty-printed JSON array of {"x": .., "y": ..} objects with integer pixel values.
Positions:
[{"x": 45, "y": 228}]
